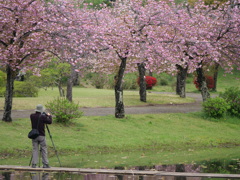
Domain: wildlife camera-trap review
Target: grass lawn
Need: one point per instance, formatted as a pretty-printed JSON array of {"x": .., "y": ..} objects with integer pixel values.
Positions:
[
  {"x": 149, "y": 139},
  {"x": 91, "y": 97}
]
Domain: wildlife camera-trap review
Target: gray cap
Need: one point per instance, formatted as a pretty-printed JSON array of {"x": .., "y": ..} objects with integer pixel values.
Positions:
[{"x": 39, "y": 108}]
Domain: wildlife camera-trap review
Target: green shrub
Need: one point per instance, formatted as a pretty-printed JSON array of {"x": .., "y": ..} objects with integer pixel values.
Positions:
[
  {"x": 215, "y": 107},
  {"x": 2, "y": 92},
  {"x": 99, "y": 80},
  {"x": 63, "y": 110},
  {"x": 130, "y": 82},
  {"x": 232, "y": 97},
  {"x": 110, "y": 82},
  {"x": 163, "y": 82},
  {"x": 164, "y": 79},
  {"x": 2, "y": 83},
  {"x": 25, "y": 89},
  {"x": 2, "y": 79}
]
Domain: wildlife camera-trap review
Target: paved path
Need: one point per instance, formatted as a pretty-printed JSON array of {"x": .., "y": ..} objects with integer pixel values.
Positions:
[{"x": 151, "y": 109}]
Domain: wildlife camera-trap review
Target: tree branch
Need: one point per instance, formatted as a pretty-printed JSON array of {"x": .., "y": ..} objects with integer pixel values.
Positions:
[
  {"x": 29, "y": 54},
  {"x": 25, "y": 35},
  {"x": 3, "y": 43},
  {"x": 7, "y": 8}
]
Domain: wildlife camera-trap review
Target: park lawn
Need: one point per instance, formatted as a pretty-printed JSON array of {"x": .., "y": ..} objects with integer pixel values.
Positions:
[
  {"x": 91, "y": 97},
  {"x": 104, "y": 141}
]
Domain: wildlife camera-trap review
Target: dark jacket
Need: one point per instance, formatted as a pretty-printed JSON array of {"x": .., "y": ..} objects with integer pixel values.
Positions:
[{"x": 44, "y": 119}]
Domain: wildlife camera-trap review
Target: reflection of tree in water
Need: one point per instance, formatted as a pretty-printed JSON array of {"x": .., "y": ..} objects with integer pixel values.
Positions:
[
  {"x": 214, "y": 166},
  {"x": 6, "y": 175},
  {"x": 119, "y": 177},
  {"x": 222, "y": 166},
  {"x": 180, "y": 168}
]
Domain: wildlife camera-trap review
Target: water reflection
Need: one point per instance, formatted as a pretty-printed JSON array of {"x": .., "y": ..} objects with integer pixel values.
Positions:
[
  {"x": 17, "y": 175},
  {"x": 70, "y": 176},
  {"x": 228, "y": 167}
]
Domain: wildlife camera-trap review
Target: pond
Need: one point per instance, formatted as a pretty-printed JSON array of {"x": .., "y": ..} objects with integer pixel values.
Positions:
[{"x": 214, "y": 166}]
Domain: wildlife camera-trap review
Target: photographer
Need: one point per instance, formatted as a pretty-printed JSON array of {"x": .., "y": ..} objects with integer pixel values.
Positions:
[{"x": 38, "y": 120}]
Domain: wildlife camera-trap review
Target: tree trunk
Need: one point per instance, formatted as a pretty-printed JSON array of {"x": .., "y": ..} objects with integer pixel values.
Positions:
[
  {"x": 202, "y": 84},
  {"x": 69, "y": 89},
  {"x": 215, "y": 76},
  {"x": 142, "y": 84},
  {"x": 11, "y": 75},
  {"x": 61, "y": 90},
  {"x": 70, "y": 84},
  {"x": 181, "y": 81},
  {"x": 119, "y": 107},
  {"x": 76, "y": 79}
]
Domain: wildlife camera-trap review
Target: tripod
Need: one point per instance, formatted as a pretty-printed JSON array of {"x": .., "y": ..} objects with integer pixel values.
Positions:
[{"x": 53, "y": 147}]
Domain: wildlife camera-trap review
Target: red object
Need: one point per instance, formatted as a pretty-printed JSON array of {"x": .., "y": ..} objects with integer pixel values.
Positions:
[
  {"x": 150, "y": 81},
  {"x": 209, "y": 81}
]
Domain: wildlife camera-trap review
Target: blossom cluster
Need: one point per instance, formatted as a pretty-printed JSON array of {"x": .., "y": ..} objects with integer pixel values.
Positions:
[{"x": 160, "y": 33}]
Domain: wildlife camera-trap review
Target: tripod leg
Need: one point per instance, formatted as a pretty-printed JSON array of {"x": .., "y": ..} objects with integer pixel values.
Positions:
[
  {"x": 53, "y": 146},
  {"x": 30, "y": 160},
  {"x": 39, "y": 157}
]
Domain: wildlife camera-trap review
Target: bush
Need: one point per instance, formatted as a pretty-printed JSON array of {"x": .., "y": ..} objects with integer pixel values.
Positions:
[
  {"x": 232, "y": 97},
  {"x": 2, "y": 79},
  {"x": 2, "y": 83},
  {"x": 110, "y": 82},
  {"x": 150, "y": 81},
  {"x": 2, "y": 92},
  {"x": 64, "y": 110},
  {"x": 163, "y": 82},
  {"x": 25, "y": 89},
  {"x": 209, "y": 81},
  {"x": 215, "y": 107},
  {"x": 99, "y": 80},
  {"x": 129, "y": 82},
  {"x": 164, "y": 79}
]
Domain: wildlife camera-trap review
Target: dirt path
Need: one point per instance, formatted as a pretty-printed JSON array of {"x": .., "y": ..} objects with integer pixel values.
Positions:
[{"x": 153, "y": 109}]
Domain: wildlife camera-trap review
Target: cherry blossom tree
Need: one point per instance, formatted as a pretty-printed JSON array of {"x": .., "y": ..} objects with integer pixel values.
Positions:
[
  {"x": 211, "y": 36},
  {"x": 203, "y": 34},
  {"x": 125, "y": 31},
  {"x": 74, "y": 39},
  {"x": 158, "y": 33},
  {"x": 22, "y": 41},
  {"x": 115, "y": 38},
  {"x": 32, "y": 30}
]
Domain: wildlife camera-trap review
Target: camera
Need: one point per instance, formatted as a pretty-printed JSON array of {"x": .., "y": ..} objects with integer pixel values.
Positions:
[{"x": 46, "y": 114}]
